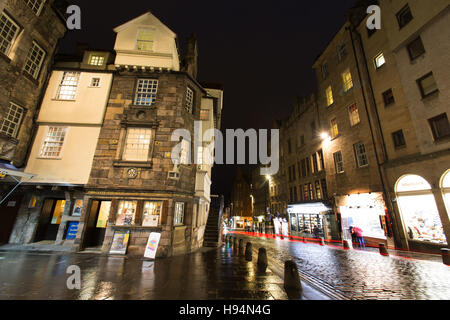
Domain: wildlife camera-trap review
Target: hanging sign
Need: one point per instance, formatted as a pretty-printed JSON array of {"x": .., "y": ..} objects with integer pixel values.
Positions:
[{"x": 152, "y": 245}]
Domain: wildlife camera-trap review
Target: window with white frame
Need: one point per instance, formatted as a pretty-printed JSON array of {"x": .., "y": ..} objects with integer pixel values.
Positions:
[
  {"x": 53, "y": 143},
  {"x": 146, "y": 92},
  {"x": 35, "y": 58},
  {"x": 96, "y": 60},
  {"x": 35, "y": 5},
  {"x": 179, "y": 214},
  {"x": 189, "y": 100},
  {"x": 145, "y": 40},
  {"x": 68, "y": 87},
  {"x": 354, "y": 115},
  {"x": 347, "y": 80},
  {"x": 361, "y": 156},
  {"x": 11, "y": 121},
  {"x": 137, "y": 144},
  {"x": 379, "y": 60},
  {"x": 95, "y": 82},
  {"x": 9, "y": 31},
  {"x": 338, "y": 162}
]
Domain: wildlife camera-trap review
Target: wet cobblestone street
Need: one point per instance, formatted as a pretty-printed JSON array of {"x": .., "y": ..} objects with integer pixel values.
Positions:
[{"x": 358, "y": 274}]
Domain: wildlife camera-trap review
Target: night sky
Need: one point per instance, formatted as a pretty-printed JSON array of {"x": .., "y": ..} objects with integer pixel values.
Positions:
[{"x": 262, "y": 51}]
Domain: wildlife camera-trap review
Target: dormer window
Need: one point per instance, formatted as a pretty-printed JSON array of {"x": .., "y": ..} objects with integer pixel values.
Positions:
[
  {"x": 145, "y": 40},
  {"x": 96, "y": 60}
]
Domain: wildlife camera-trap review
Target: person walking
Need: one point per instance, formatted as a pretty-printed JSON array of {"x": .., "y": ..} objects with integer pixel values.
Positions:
[{"x": 360, "y": 237}]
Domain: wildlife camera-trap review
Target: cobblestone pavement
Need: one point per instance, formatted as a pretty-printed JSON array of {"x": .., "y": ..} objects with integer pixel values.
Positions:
[
  {"x": 211, "y": 274},
  {"x": 361, "y": 275}
]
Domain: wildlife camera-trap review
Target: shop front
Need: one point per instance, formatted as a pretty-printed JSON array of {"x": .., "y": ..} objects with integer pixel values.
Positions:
[
  {"x": 309, "y": 220},
  {"x": 364, "y": 211}
]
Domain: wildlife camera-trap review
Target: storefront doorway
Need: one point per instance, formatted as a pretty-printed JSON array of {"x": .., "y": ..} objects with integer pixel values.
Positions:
[
  {"x": 50, "y": 220},
  {"x": 419, "y": 211},
  {"x": 96, "y": 224},
  {"x": 8, "y": 210}
]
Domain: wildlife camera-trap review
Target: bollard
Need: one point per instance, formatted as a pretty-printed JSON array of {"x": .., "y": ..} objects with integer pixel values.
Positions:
[
  {"x": 241, "y": 246},
  {"x": 346, "y": 244},
  {"x": 383, "y": 250},
  {"x": 291, "y": 277},
  {"x": 322, "y": 242},
  {"x": 446, "y": 256},
  {"x": 249, "y": 252},
  {"x": 262, "y": 260}
]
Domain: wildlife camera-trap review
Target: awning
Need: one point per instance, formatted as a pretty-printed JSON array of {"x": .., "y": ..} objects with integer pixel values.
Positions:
[
  {"x": 308, "y": 208},
  {"x": 8, "y": 170}
]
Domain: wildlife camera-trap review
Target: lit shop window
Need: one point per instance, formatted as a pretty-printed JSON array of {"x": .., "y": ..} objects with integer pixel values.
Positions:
[
  {"x": 445, "y": 185},
  {"x": 12, "y": 120},
  {"x": 334, "y": 128},
  {"x": 145, "y": 40},
  {"x": 68, "y": 87},
  {"x": 146, "y": 92},
  {"x": 152, "y": 213},
  {"x": 329, "y": 93},
  {"x": 354, "y": 115},
  {"x": 420, "y": 214},
  {"x": 103, "y": 214},
  {"x": 53, "y": 143},
  {"x": 58, "y": 212},
  {"x": 347, "y": 80},
  {"x": 379, "y": 60},
  {"x": 35, "y": 59},
  {"x": 137, "y": 144},
  {"x": 126, "y": 213},
  {"x": 95, "y": 60},
  {"x": 189, "y": 100},
  {"x": 361, "y": 156},
  {"x": 35, "y": 5},
  {"x": 9, "y": 31},
  {"x": 179, "y": 213}
]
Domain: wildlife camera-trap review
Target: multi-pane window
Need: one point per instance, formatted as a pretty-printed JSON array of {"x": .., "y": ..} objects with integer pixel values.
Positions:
[
  {"x": 145, "y": 40},
  {"x": 35, "y": 5},
  {"x": 152, "y": 213},
  {"x": 95, "y": 82},
  {"x": 35, "y": 58},
  {"x": 306, "y": 193},
  {"x": 137, "y": 145},
  {"x": 96, "y": 60},
  {"x": 379, "y": 60},
  {"x": 146, "y": 92},
  {"x": 347, "y": 80},
  {"x": 204, "y": 114},
  {"x": 399, "y": 139},
  {"x": 189, "y": 100},
  {"x": 311, "y": 191},
  {"x": 342, "y": 52},
  {"x": 54, "y": 142},
  {"x": 361, "y": 156},
  {"x": 11, "y": 121},
  {"x": 329, "y": 93},
  {"x": 415, "y": 48},
  {"x": 323, "y": 182},
  {"x": 334, "y": 128},
  {"x": 388, "y": 97},
  {"x": 315, "y": 164},
  {"x": 338, "y": 162},
  {"x": 126, "y": 213},
  {"x": 427, "y": 85},
  {"x": 325, "y": 70},
  {"x": 404, "y": 16},
  {"x": 179, "y": 214},
  {"x": 440, "y": 126},
  {"x": 9, "y": 31},
  {"x": 68, "y": 87},
  {"x": 318, "y": 191},
  {"x": 354, "y": 115}
]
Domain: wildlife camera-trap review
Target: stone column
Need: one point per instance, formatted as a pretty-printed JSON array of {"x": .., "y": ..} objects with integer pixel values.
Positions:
[{"x": 443, "y": 214}]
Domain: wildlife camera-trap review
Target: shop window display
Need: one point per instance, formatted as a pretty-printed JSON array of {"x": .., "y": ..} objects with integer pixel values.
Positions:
[
  {"x": 126, "y": 213},
  {"x": 418, "y": 207},
  {"x": 152, "y": 213}
]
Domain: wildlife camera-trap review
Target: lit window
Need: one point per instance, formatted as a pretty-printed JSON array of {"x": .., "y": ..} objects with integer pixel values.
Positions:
[
  {"x": 347, "y": 79},
  {"x": 399, "y": 139},
  {"x": 12, "y": 120},
  {"x": 189, "y": 100},
  {"x": 361, "y": 156},
  {"x": 204, "y": 114},
  {"x": 427, "y": 85},
  {"x": 96, "y": 60},
  {"x": 338, "y": 162},
  {"x": 318, "y": 191},
  {"x": 415, "y": 49},
  {"x": 68, "y": 87},
  {"x": 354, "y": 115},
  {"x": 145, "y": 40},
  {"x": 126, "y": 213},
  {"x": 330, "y": 99},
  {"x": 9, "y": 31},
  {"x": 137, "y": 145},
  {"x": 53, "y": 143},
  {"x": 146, "y": 92},
  {"x": 404, "y": 16},
  {"x": 35, "y": 59},
  {"x": 334, "y": 128},
  {"x": 440, "y": 127},
  {"x": 35, "y": 5},
  {"x": 179, "y": 214},
  {"x": 95, "y": 82},
  {"x": 380, "y": 60},
  {"x": 152, "y": 213}
]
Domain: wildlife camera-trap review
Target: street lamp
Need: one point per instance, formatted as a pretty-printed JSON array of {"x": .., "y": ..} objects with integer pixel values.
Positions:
[{"x": 325, "y": 136}]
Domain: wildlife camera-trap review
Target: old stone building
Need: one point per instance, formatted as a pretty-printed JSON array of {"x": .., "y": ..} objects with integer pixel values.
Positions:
[
  {"x": 241, "y": 200},
  {"x": 260, "y": 198},
  {"x": 29, "y": 34}
]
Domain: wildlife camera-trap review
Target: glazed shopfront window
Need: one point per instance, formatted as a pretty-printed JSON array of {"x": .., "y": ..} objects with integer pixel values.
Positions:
[
  {"x": 152, "y": 213},
  {"x": 418, "y": 208},
  {"x": 126, "y": 213}
]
